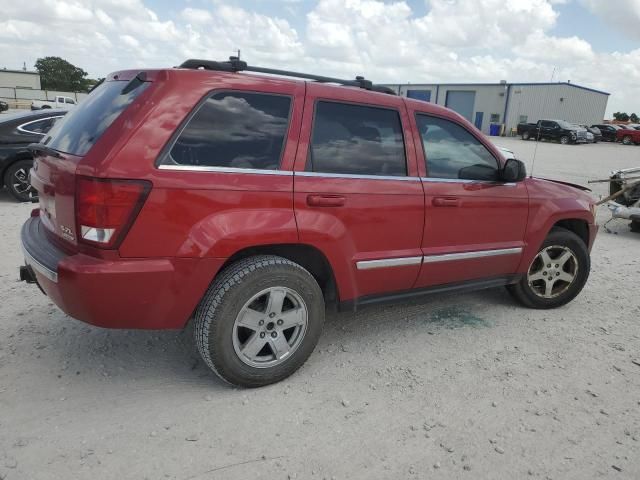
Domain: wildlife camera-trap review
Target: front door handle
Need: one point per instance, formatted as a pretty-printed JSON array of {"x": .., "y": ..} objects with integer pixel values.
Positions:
[
  {"x": 446, "y": 202},
  {"x": 325, "y": 200}
]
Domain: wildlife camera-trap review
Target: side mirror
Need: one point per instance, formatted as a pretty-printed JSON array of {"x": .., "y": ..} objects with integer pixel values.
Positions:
[{"x": 513, "y": 171}]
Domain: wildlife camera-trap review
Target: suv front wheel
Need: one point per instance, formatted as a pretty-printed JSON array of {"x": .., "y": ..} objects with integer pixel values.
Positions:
[
  {"x": 259, "y": 321},
  {"x": 557, "y": 273}
]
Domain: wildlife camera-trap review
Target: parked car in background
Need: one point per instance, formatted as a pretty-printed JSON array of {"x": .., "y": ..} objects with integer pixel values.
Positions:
[
  {"x": 4, "y": 106},
  {"x": 557, "y": 130},
  {"x": 609, "y": 132},
  {"x": 146, "y": 218},
  {"x": 17, "y": 131},
  {"x": 58, "y": 102},
  {"x": 595, "y": 133},
  {"x": 628, "y": 135}
]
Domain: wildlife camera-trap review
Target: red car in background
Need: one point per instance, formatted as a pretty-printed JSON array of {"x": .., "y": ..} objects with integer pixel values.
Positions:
[
  {"x": 250, "y": 203},
  {"x": 628, "y": 134}
]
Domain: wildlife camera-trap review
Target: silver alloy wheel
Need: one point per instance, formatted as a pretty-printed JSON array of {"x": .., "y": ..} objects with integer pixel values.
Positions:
[
  {"x": 627, "y": 140},
  {"x": 552, "y": 271},
  {"x": 564, "y": 140},
  {"x": 21, "y": 183},
  {"x": 270, "y": 327}
]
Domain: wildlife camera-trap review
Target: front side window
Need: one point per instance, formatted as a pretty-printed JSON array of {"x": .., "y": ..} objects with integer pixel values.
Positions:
[
  {"x": 453, "y": 153},
  {"x": 234, "y": 130},
  {"x": 357, "y": 140},
  {"x": 69, "y": 101}
]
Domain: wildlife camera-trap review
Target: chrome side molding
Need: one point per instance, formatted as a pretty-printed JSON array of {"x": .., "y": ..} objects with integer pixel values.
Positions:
[{"x": 446, "y": 257}]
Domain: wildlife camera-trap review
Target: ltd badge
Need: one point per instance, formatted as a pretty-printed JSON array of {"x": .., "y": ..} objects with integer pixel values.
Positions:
[{"x": 67, "y": 233}]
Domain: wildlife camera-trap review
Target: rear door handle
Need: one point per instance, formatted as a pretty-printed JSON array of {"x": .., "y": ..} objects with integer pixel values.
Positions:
[
  {"x": 325, "y": 200},
  {"x": 446, "y": 202}
]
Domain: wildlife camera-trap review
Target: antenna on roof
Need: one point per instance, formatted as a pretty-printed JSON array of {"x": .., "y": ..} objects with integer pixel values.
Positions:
[{"x": 544, "y": 109}]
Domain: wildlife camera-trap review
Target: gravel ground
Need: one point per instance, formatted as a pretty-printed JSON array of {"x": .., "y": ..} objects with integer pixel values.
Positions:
[{"x": 466, "y": 386}]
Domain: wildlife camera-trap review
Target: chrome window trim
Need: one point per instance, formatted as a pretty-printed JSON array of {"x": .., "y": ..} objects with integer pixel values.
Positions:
[
  {"x": 21, "y": 128},
  {"x": 388, "y": 262},
  {"x": 350, "y": 175},
  {"x": 448, "y": 257},
  {"x": 203, "y": 168},
  {"x": 32, "y": 262},
  {"x": 463, "y": 180}
]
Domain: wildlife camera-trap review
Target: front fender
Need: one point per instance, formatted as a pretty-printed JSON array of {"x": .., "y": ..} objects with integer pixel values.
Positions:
[{"x": 551, "y": 203}]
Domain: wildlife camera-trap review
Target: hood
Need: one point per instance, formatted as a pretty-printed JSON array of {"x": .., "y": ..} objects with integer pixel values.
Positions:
[{"x": 569, "y": 184}]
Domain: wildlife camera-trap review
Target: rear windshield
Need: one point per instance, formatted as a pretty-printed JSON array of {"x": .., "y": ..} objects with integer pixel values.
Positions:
[{"x": 83, "y": 126}]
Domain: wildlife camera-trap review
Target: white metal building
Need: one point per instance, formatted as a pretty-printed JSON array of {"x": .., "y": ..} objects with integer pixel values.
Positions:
[
  {"x": 19, "y": 79},
  {"x": 510, "y": 103}
]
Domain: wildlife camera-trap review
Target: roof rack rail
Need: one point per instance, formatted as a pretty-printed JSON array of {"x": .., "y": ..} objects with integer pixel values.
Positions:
[{"x": 234, "y": 64}]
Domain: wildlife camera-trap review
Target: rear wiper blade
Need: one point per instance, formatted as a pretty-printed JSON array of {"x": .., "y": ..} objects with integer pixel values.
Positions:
[{"x": 37, "y": 148}]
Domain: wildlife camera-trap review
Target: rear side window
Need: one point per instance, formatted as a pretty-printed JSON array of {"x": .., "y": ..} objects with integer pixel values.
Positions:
[
  {"x": 234, "y": 130},
  {"x": 39, "y": 126},
  {"x": 83, "y": 126},
  {"x": 453, "y": 153},
  {"x": 357, "y": 140}
]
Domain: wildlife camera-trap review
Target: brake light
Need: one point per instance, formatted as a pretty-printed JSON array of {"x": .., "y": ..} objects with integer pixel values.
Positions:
[{"x": 106, "y": 208}]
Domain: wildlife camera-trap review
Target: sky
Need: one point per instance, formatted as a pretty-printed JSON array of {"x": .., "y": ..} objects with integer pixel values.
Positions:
[{"x": 595, "y": 43}]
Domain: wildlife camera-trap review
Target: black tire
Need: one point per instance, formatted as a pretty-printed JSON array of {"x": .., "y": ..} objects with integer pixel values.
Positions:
[
  {"x": 565, "y": 140},
  {"x": 231, "y": 290},
  {"x": 44, "y": 107},
  {"x": 16, "y": 180},
  {"x": 635, "y": 226},
  {"x": 525, "y": 294},
  {"x": 526, "y": 136}
]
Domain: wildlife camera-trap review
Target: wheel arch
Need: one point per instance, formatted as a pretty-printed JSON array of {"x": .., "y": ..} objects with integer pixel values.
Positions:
[
  {"x": 307, "y": 256},
  {"x": 576, "y": 225}
]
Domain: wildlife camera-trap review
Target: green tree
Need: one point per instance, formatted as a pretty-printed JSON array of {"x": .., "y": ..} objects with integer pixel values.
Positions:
[
  {"x": 58, "y": 74},
  {"x": 621, "y": 117},
  {"x": 634, "y": 118}
]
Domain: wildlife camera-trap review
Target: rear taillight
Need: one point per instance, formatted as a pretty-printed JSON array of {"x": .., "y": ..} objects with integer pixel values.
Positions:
[{"x": 106, "y": 208}]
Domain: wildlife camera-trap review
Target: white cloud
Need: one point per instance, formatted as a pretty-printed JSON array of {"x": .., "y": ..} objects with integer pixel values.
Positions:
[
  {"x": 455, "y": 40},
  {"x": 622, "y": 14}
]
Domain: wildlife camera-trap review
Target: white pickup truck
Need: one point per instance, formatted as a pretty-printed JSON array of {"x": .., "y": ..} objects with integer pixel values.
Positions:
[{"x": 59, "y": 102}]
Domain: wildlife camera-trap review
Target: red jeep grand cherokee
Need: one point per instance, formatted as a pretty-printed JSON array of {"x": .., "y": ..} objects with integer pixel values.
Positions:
[{"x": 250, "y": 202}]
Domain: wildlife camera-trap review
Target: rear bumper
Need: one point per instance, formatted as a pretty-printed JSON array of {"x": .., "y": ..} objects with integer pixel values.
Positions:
[{"x": 148, "y": 293}]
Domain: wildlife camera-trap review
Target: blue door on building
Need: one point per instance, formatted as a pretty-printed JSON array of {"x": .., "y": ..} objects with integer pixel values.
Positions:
[
  {"x": 478, "y": 122},
  {"x": 461, "y": 101},
  {"x": 424, "y": 95}
]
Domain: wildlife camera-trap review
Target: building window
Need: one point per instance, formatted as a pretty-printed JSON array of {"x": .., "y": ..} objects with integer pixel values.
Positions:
[
  {"x": 424, "y": 95},
  {"x": 357, "y": 140},
  {"x": 495, "y": 118}
]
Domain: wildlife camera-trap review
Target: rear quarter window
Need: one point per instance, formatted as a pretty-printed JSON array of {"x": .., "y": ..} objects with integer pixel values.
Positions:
[
  {"x": 234, "y": 130},
  {"x": 82, "y": 127}
]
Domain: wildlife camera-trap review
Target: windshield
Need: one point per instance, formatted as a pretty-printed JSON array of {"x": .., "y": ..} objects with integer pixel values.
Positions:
[
  {"x": 567, "y": 125},
  {"x": 84, "y": 125}
]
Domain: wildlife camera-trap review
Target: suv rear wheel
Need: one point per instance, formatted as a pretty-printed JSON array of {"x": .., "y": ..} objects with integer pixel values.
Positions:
[
  {"x": 557, "y": 274},
  {"x": 565, "y": 140},
  {"x": 259, "y": 321}
]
